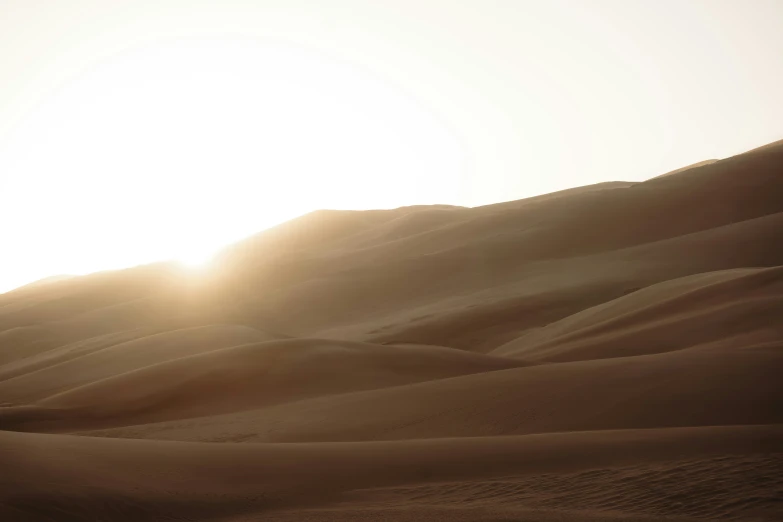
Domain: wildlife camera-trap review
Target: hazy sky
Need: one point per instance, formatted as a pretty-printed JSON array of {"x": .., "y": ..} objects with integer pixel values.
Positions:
[{"x": 137, "y": 130}]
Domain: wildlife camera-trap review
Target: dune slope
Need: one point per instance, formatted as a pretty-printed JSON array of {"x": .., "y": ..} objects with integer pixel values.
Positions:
[
  {"x": 703, "y": 386},
  {"x": 89, "y": 479},
  {"x": 124, "y": 357},
  {"x": 241, "y": 378}
]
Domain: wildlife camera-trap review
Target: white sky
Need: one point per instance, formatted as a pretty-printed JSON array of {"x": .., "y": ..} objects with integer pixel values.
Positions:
[{"x": 132, "y": 131}]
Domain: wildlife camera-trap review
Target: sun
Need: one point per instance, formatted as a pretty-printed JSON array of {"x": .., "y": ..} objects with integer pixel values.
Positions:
[
  {"x": 173, "y": 150},
  {"x": 195, "y": 260}
]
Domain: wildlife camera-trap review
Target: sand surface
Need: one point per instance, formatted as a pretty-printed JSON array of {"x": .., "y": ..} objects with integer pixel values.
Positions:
[{"x": 604, "y": 353}]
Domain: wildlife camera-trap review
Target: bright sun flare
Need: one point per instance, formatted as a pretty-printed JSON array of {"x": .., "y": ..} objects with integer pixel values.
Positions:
[
  {"x": 196, "y": 261},
  {"x": 162, "y": 152}
]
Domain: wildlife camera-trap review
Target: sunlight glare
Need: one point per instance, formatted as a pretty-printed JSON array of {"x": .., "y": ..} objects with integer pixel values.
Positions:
[
  {"x": 166, "y": 150},
  {"x": 196, "y": 260}
]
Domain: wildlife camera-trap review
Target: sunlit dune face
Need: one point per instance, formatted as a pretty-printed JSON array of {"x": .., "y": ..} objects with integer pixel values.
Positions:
[{"x": 171, "y": 151}]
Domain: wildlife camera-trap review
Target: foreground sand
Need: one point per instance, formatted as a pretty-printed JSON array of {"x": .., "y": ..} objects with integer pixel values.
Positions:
[
  {"x": 611, "y": 352},
  {"x": 86, "y": 478}
]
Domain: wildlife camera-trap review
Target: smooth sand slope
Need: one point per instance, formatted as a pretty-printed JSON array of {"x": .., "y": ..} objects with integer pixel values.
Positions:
[
  {"x": 702, "y": 308},
  {"x": 65, "y": 352},
  {"x": 610, "y": 352},
  {"x": 241, "y": 378},
  {"x": 91, "y": 479},
  {"x": 333, "y": 285},
  {"x": 704, "y": 386},
  {"x": 124, "y": 357}
]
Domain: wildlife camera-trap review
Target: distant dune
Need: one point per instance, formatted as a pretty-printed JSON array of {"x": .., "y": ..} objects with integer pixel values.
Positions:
[
  {"x": 692, "y": 166},
  {"x": 604, "y": 353}
]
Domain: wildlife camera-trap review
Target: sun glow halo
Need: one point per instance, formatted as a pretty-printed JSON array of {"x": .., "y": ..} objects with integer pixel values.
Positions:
[{"x": 173, "y": 150}]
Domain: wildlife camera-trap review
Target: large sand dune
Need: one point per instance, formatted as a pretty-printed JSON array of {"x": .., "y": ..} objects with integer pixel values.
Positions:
[
  {"x": 702, "y": 308},
  {"x": 704, "y": 386},
  {"x": 610, "y": 352},
  {"x": 123, "y": 357},
  {"x": 241, "y": 378}
]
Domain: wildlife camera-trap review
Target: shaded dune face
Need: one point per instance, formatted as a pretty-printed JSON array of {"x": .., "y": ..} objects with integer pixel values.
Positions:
[
  {"x": 703, "y": 386},
  {"x": 703, "y": 308},
  {"x": 121, "y": 358},
  {"x": 243, "y": 377},
  {"x": 610, "y": 352}
]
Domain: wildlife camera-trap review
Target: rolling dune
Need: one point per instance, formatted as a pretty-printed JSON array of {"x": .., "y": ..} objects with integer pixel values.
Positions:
[
  {"x": 124, "y": 357},
  {"x": 702, "y": 386},
  {"x": 610, "y": 352},
  {"x": 241, "y": 378},
  {"x": 703, "y": 308}
]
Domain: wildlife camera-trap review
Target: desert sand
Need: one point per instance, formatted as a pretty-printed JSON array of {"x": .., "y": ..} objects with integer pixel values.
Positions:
[{"x": 610, "y": 352}]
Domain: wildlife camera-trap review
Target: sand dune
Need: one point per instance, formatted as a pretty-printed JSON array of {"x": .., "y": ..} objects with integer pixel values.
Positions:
[
  {"x": 610, "y": 352},
  {"x": 539, "y": 293},
  {"x": 703, "y": 386},
  {"x": 70, "y": 297},
  {"x": 684, "y": 490},
  {"x": 25, "y": 341},
  {"x": 92, "y": 478},
  {"x": 242, "y": 378},
  {"x": 688, "y": 167},
  {"x": 339, "y": 287},
  {"x": 61, "y": 353},
  {"x": 702, "y": 308},
  {"x": 124, "y": 357}
]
